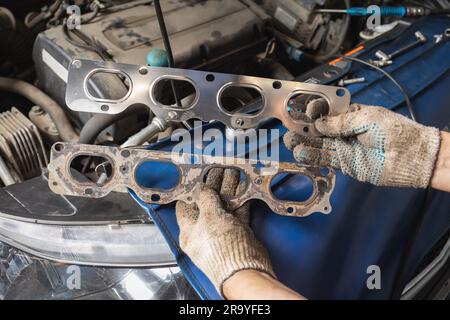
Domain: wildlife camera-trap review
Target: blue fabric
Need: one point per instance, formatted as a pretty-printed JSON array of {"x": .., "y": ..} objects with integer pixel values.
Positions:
[{"x": 327, "y": 256}]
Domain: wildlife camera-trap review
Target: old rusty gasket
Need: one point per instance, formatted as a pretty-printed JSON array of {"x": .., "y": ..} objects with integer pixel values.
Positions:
[{"x": 125, "y": 162}]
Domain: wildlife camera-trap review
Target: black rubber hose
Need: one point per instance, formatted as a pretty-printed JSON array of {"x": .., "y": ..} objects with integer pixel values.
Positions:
[
  {"x": 100, "y": 122},
  {"x": 39, "y": 98},
  {"x": 91, "y": 16}
]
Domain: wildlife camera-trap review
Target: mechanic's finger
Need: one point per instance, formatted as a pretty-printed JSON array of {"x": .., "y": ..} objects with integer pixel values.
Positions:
[
  {"x": 187, "y": 214},
  {"x": 342, "y": 125},
  {"x": 214, "y": 178},
  {"x": 317, "y": 108},
  {"x": 313, "y": 156},
  {"x": 230, "y": 182},
  {"x": 208, "y": 201},
  {"x": 349, "y": 124},
  {"x": 243, "y": 212},
  {"x": 241, "y": 187},
  {"x": 356, "y": 107},
  {"x": 293, "y": 139}
]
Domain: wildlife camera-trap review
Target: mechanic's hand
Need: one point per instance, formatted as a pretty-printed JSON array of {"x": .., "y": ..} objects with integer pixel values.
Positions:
[
  {"x": 371, "y": 144},
  {"x": 219, "y": 242}
]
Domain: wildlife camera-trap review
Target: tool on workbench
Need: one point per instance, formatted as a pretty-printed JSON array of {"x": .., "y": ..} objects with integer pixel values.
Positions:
[
  {"x": 386, "y": 59},
  {"x": 400, "y": 11},
  {"x": 346, "y": 82},
  {"x": 438, "y": 38},
  {"x": 447, "y": 33},
  {"x": 442, "y": 36}
]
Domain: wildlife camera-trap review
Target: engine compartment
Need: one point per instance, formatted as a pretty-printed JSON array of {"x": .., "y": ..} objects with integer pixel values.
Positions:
[
  {"x": 282, "y": 40},
  {"x": 237, "y": 36}
]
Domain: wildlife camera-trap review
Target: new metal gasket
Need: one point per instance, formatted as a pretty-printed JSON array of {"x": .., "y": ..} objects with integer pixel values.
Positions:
[
  {"x": 208, "y": 90},
  {"x": 125, "y": 162}
]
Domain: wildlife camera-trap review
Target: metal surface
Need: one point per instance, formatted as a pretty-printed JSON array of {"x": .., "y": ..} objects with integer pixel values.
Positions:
[
  {"x": 297, "y": 19},
  {"x": 346, "y": 82},
  {"x": 5, "y": 174},
  {"x": 331, "y": 10},
  {"x": 21, "y": 145},
  {"x": 157, "y": 125},
  {"x": 45, "y": 124},
  {"x": 192, "y": 170},
  {"x": 420, "y": 39},
  {"x": 386, "y": 59},
  {"x": 209, "y": 88}
]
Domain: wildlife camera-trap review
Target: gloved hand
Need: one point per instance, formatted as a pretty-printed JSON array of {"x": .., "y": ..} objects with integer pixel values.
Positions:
[
  {"x": 371, "y": 144},
  {"x": 219, "y": 242}
]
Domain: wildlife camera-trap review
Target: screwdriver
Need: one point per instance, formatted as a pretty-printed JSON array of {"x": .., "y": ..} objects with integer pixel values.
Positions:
[{"x": 388, "y": 11}]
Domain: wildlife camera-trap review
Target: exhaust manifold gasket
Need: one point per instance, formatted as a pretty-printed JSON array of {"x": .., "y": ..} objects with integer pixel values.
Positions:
[
  {"x": 125, "y": 161},
  {"x": 208, "y": 86}
]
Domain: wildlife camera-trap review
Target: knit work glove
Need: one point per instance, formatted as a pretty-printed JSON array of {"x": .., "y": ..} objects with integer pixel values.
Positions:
[
  {"x": 371, "y": 144},
  {"x": 220, "y": 242}
]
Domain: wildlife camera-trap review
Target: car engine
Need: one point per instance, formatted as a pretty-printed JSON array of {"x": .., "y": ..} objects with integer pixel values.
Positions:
[{"x": 72, "y": 71}]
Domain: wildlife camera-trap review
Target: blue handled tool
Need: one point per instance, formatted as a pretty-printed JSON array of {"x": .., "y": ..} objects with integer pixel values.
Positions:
[{"x": 387, "y": 11}]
